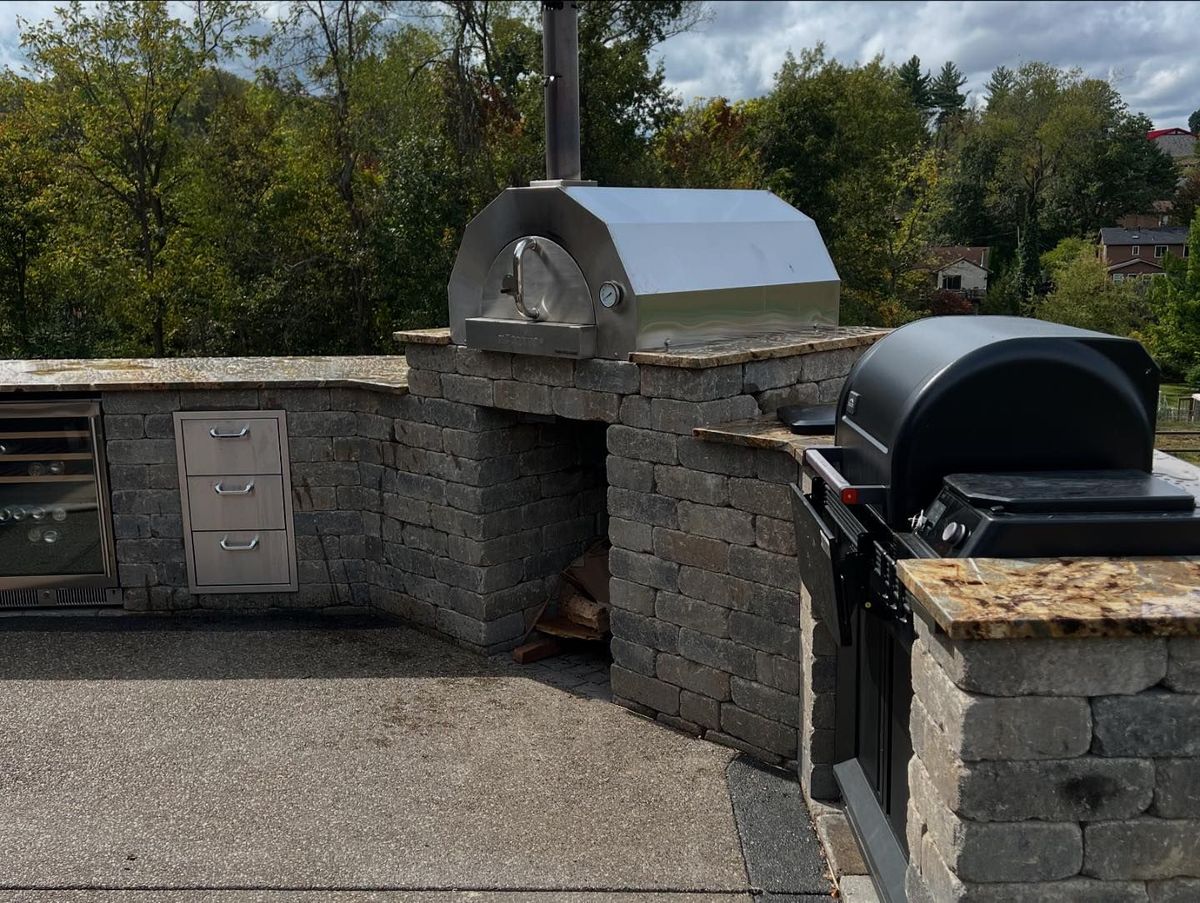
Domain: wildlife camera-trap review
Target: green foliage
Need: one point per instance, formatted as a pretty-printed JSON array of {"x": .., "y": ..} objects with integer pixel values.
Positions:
[
  {"x": 1173, "y": 332},
  {"x": 707, "y": 145},
  {"x": 1084, "y": 296},
  {"x": 1187, "y": 198},
  {"x": 1052, "y": 155},
  {"x": 1194, "y": 123},
  {"x": 944, "y": 93},
  {"x": 916, "y": 83},
  {"x": 999, "y": 85},
  {"x": 153, "y": 202},
  {"x": 845, "y": 145}
]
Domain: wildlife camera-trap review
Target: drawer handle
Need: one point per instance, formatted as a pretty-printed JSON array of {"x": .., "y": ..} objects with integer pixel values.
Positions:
[
  {"x": 240, "y": 434},
  {"x": 220, "y": 489},
  {"x": 233, "y": 547}
]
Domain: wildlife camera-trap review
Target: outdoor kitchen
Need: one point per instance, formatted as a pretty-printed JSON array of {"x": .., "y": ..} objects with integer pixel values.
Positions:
[{"x": 963, "y": 613}]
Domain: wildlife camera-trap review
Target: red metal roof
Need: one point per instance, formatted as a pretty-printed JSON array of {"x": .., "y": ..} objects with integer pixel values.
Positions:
[{"x": 1158, "y": 133}]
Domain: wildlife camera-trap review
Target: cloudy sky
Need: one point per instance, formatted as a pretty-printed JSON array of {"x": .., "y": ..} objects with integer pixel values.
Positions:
[{"x": 1149, "y": 50}]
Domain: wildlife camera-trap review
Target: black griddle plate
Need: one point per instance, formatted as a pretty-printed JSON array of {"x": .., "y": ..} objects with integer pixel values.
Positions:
[{"x": 1071, "y": 490}]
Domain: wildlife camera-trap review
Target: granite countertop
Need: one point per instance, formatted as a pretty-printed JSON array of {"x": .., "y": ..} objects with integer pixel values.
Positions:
[
  {"x": 439, "y": 335},
  {"x": 761, "y": 347},
  {"x": 761, "y": 432},
  {"x": 383, "y": 373},
  {"x": 718, "y": 353},
  {"x": 994, "y": 598}
]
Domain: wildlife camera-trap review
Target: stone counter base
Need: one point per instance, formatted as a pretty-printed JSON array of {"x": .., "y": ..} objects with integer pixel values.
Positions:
[
  {"x": 456, "y": 505},
  {"x": 1055, "y": 770},
  {"x": 706, "y": 618}
]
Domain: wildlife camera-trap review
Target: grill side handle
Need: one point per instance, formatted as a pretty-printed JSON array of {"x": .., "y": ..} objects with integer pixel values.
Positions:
[
  {"x": 823, "y": 462},
  {"x": 832, "y": 568}
]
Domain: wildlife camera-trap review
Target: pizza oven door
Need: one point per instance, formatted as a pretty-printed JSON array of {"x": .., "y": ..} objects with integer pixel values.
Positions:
[{"x": 535, "y": 301}]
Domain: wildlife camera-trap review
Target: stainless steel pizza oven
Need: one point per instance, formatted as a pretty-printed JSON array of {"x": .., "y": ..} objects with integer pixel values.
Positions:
[
  {"x": 568, "y": 269},
  {"x": 579, "y": 271}
]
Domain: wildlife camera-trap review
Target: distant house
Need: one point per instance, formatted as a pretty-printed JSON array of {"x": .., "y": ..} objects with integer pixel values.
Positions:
[
  {"x": 1179, "y": 144},
  {"x": 1139, "y": 253},
  {"x": 960, "y": 268},
  {"x": 1159, "y": 216}
]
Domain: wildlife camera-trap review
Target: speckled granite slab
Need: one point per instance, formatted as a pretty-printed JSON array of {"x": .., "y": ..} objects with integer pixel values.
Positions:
[
  {"x": 713, "y": 354},
  {"x": 762, "y": 347},
  {"x": 992, "y": 598},
  {"x": 382, "y": 373},
  {"x": 761, "y": 432},
  {"x": 438, "y": 336}
]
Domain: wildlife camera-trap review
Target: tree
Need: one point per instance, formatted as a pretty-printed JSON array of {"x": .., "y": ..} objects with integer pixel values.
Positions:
[
  {"x": 819, "y": 137},
  {"x": 999, "y": 85},
  {"x": 707, "y": 145},
  {"x": 1053, "y": 154},
  {"x": 1187, "y": 198},
  {"x": 1173, "y": 333},
  {"x": 916, "y": 83},
  {"x": 623, "y": 99},
  {"x": 1194, "y": 122},
  {"x": 26, "y": 168},
  {"x": 1084, "y": 296},
  {"x": 944, "y": 93},
  {"x": 331, "y": 48},
  {"x": 119, "y": 78}
]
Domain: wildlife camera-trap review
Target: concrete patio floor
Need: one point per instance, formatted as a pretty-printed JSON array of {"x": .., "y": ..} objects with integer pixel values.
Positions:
[{"x": 340, "y": 760}]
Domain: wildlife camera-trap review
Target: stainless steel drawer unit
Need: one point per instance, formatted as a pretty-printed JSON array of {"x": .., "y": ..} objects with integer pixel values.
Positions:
[{"x": 237, "y": 501}]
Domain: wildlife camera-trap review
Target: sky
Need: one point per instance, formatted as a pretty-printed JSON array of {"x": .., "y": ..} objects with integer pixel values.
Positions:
[{"x": 1148, "y": 50}]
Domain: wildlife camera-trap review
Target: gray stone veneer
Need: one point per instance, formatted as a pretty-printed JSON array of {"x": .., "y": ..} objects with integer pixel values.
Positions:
[
  {"x": 706, "y": 620},
  {"x": 456, "y": 505},
  {"x": 1055, "y": 769}
]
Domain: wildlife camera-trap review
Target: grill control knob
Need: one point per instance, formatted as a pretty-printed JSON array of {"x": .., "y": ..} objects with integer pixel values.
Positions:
[{"x": 954, "y": 533}]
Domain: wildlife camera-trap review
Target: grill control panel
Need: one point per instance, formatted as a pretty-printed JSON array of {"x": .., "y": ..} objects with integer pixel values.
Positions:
[{"x": 947, "y": 524}]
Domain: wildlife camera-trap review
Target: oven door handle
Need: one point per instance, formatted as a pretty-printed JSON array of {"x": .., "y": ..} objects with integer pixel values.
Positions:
[
  {"x": 847, "y": 492},
  {"x": 514, "y": 282}
]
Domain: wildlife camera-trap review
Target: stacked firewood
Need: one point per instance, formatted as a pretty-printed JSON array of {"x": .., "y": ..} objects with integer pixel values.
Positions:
[{"x": 580, "y": 611}]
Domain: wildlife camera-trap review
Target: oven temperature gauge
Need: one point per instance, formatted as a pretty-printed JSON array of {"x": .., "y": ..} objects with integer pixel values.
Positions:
[{"x": 610, "y": 294}]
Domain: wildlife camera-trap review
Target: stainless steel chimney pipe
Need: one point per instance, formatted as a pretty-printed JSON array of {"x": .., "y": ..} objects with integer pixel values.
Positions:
[{"x": 560, "y": 68}]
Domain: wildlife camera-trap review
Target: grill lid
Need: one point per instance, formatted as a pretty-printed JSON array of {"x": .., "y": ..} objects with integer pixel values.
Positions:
[{"x": 992, "y": 395}]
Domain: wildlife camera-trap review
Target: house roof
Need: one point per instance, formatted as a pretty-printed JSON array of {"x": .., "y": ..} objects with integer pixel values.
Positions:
[
  {"x": 1134, "y": 261},
  {"x": 948, "y": 254},
  {"x": 1158, "y": 133},
  {"x": 1163, "y": 235}
]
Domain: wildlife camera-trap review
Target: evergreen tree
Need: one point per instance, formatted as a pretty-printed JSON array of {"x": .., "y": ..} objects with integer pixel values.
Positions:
[
  {"x": 916, "y": 83},
  {"x": 999, "y": 85},
  {"x": 1194, "y": 122},
  {"x": 945, "y": 95}
]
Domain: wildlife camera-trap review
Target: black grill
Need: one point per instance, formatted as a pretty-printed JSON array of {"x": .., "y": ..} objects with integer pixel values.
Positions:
[{"x": 966, "y": 436}]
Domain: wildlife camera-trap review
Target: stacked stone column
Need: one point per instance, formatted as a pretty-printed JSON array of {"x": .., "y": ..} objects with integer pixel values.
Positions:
[{"x": 1055, "y": 770}]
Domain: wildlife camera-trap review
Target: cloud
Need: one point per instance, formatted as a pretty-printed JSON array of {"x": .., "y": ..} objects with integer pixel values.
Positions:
[{"x": 1147, "y": 50}]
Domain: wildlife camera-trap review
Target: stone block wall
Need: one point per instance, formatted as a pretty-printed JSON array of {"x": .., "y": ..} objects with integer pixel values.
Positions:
[
  {"x": 1055, "y": 769},
  {"x": 456, "y": 505},
  {"x": 706, "y": 614},
  {"x": 325, "y": 442}
]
